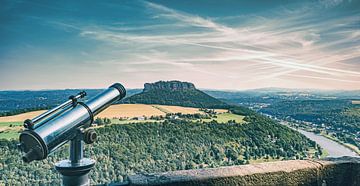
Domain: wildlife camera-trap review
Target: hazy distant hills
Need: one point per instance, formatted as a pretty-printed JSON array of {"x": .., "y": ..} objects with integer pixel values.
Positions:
[
  {"x": 175, "y": 93},
  {"x": 286, "y": 93},
  {"x": 13, "y": 102}
]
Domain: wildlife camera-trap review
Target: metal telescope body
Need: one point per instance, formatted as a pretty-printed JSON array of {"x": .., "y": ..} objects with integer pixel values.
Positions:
[{"x": 67, "y": 122}]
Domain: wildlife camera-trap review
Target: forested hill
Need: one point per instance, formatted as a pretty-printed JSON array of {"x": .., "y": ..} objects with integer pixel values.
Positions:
[
  {"x": 175, "y": 93},
  {"x": 173, "y": 144}
]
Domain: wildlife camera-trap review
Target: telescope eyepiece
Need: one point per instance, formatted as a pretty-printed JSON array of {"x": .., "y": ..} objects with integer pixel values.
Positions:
[
  {"x": 28, "y": 157},
  {"x": 28, "y": 124},
  {"x": 82, "y": 94}
]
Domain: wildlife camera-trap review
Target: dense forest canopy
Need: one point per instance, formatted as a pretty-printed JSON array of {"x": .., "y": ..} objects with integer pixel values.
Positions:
[
  {"x": 341, "y": 118},
  {"x": 122, "y": 150},
  {"x": 187, "y": 98},
  {"x": 187, "y": 142}
]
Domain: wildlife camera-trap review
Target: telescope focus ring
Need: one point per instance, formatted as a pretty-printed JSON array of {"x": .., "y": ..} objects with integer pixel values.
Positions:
[{"x": 90, "y": 136}]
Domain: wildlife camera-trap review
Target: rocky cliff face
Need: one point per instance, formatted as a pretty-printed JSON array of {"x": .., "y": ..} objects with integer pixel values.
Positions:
[{"x": 169, "y": 85}]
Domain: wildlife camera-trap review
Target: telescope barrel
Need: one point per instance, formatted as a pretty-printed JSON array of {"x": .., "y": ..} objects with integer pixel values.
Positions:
[
  {"x": 43, "y": 140},
  {"x": 31, "y": 123}
]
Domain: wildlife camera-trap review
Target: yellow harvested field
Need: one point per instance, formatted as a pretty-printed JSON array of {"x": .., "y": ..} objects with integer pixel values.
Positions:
[
  {"x": 21, "y": 117},
  {"x": 177, "y": 109},
  {"x": 221, "y": 110},
  {"x": 355, "y": 102},
  {"x": 121, "y": 111},
  {"x": 130, "y": 110},
  {"x": 183, "y": 110}
]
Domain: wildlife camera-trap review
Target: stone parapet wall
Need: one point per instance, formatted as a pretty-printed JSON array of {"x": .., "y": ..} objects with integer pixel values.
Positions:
[{"x": 334, "y": 171}]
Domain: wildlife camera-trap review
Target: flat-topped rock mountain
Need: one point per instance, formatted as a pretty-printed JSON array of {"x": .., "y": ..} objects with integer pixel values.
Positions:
[
  {"x": 169, "y": 85},
  {"x": 175, "y": 93}
]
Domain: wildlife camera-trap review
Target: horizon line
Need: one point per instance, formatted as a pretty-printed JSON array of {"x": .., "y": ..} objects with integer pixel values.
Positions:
[{"x": 200, "y": 88}]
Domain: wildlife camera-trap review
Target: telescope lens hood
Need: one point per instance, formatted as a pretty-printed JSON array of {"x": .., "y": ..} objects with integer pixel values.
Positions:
[
  {"x": 120, "y": 88},
  {"x": 33, "y": 146}
]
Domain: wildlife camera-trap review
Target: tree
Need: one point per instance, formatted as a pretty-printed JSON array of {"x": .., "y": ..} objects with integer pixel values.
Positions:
[{"x": 99, "y": 121}]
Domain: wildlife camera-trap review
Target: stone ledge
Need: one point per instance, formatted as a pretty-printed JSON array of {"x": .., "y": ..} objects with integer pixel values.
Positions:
[{"x": 332, "y": 171}]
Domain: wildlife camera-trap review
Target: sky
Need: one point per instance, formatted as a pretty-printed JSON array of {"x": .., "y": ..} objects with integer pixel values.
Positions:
[{"x": 228, "y": 44}]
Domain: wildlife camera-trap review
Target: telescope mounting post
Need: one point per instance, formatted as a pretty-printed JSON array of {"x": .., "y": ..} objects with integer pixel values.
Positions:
[
  {"x": 75, "y": 171},
  {"x": 69, "y": 121}
]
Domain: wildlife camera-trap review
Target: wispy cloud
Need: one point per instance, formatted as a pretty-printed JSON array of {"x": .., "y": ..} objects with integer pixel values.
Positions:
[
  {"x": 287, "y": 43},
  {"x": 278, "y": 47}
]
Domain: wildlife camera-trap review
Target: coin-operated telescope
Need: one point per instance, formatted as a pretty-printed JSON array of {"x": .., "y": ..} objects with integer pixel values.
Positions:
[{"x": 67, "y": 122}]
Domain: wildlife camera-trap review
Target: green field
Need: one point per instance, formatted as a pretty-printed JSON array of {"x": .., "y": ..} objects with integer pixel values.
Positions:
[
  {"x": 7, "y": 132},
  {"x": 220, "y": 118},
  {"x": 121, "y": 122},
  {"x": 7, "y": 124},
  {"x": 225, "y": 117},
  {"x": 353, "y": 112}
]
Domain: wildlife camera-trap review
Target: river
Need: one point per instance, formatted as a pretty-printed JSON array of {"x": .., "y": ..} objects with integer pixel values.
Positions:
[{"x": 333, "y": 148}]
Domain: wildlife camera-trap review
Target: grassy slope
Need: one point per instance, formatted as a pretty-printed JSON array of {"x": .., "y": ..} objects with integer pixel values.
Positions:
[
  {"x": 225, "y": 117},
  {"x": 7, "y": 132}
]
